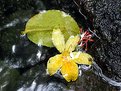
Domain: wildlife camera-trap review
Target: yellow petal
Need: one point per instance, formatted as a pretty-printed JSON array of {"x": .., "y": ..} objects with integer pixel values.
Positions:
[
  {"x": 69, "y": 71},
  {"x": 82, "y": 58},
  {"x": 72, "y": 43},
  {"x": 58, "y": 40},
  {"x": 54, "y": 64}
]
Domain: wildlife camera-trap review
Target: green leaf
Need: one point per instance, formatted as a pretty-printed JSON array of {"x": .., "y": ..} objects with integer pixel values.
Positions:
[{"x": 39, "y": 28}]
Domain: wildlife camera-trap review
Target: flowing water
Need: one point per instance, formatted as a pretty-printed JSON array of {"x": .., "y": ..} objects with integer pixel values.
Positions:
[{"x": 23, "y": 64}]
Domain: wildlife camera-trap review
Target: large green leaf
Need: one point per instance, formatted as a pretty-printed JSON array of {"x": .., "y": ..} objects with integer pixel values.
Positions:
[{"x": 39, "y": 28}]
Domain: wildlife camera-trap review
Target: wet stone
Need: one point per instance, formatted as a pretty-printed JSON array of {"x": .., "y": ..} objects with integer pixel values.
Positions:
[{"x": 107, "y": 22}]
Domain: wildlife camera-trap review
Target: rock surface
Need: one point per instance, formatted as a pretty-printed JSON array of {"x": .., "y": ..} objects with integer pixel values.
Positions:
[{"x": 107, "y": 21}]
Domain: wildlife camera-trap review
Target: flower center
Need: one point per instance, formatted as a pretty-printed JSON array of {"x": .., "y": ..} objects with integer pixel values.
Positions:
[{"x": 66, "y": 56}]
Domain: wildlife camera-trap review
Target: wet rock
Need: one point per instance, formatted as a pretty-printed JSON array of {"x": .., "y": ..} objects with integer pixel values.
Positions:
[
  {"x": 16, "y": 50},
  {"x": 107, "y": 16}
]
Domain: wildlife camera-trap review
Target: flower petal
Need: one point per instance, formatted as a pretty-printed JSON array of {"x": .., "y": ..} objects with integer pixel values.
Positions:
[
  {"x": 54, "y": 64},
  {"x": 70, "y": 71},
  {"x": 58, "y": 40},
  {"x": 82, "y": 58},
  {"x": 72, "y": 43}
]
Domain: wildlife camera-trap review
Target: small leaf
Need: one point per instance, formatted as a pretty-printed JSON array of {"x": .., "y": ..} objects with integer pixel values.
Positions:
[
  {"x": 82, "y": 58},
  {"x": 58, "y": 40},
  {"x": 39, "y": 28},
  {"x": 54, "y": 64},
  {"x": 70, "y": 71},
  {"x": 71, "y": 43}
]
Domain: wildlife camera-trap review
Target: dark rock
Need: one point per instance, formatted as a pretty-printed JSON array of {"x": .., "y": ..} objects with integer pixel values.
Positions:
[{"x": 107, "y": 51}]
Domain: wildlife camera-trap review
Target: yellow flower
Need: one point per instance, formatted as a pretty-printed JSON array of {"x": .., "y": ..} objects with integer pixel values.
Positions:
[{"x": 67, "y": 61}]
